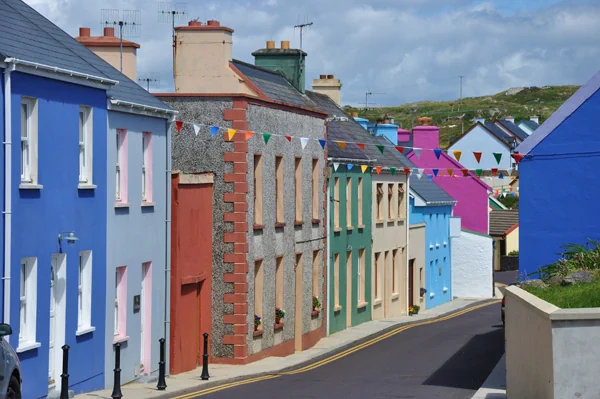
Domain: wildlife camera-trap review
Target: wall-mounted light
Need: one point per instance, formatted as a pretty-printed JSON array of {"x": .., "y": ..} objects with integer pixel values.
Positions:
[{"x": 69, "y": 236}]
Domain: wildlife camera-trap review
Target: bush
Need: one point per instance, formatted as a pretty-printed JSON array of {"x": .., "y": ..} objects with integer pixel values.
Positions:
[
  {"x": 513, "y": 253},
  {"x": 574, "y": 257}
]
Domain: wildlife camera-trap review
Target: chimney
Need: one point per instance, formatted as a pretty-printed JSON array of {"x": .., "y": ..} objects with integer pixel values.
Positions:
[
  {"x": 290, "y": 62},
  {"x": 424, "y": 135},
  {"x": 84, "y": 32},
  {"x": 328, "y": 85},
  {"x": 109, "y": 32},
  {"x": 403, "y": 135},
  {"x": 480, "y": 119},
  {"x": 509, "y": 118},
  {"x": 535, "y": 119}
]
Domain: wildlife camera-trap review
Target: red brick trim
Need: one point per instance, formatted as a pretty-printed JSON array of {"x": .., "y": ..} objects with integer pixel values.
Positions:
[
  {"x": 284, "y": 349},
  {"x": 311, "y": 338},
  {"x": 234, "y": 115},
  {"x": 513, "y": 228}
]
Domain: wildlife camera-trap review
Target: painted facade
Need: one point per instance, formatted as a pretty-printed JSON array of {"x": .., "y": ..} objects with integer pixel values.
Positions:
[
  {"x": 472, "y": 272},
  {"x": 417, "y": 264},
  {"x": 480, "y": 138}
]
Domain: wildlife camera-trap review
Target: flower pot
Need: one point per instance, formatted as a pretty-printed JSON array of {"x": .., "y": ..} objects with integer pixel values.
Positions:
[
  {"x": 256, "y": 327},
  {"x": 277, "y": 320}
]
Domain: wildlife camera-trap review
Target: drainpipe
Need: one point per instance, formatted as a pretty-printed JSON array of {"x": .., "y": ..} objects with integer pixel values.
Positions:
[
  {"x": 7, "y": 190},
  {"x": 167, "y": 326},
  {"x": 328, "y": 289},
  {"x": 407, "y": 238}
]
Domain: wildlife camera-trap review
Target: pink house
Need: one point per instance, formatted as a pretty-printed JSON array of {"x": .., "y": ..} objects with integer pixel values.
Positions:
[{"x": 470, "y": 193}]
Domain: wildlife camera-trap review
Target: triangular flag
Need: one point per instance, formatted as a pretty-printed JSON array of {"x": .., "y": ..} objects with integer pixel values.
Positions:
[
  {"x": 267, "y": 136},
  {"x": 420, "y": 172},
  {"x": 501, "y": 176},
  {"x": 517, "y": 157},
  {"x": 457, "y": 154},
  {"x": 231, "y": 133},
  {"x": 336, "y": 166},
  {"x": 323, "y": 143},
  {"x": 178, "y": 125},
  {"x": 477, "y": 156},
  {"x": 450, "y": 171},
  {"x": 435, "y": 171},
  {"x": 494, "y": 171},
  {"x": 363, "y": 168},
  {"x": 378, "y": 169},
  {"x": 304, "y": 142},
  {"x": 393, "y": 171},
  {"x": 407, "y": 171},
  {"x": 513, "y": 194},
  {"x": 478, "y": 172},
  {"x": 510, "y": 189},
  {"x": 430, "y": 177},
  {"x": 509, "y": 171},
  {"x": 465, "y": 172},
  {"x": 417, "y": 152},
  {"x": 289, "y": 138},
  {"x": 342, "y": 144},
  {"x": 196, "y": 129},
  {"x": 437, "y": 153},
  {"x": 350, "y": 166},
  {"x": 498, "y": 156},
  {"x": 497, "y": 192},
  {"x": 249, "y": 135},
  {"x": 214, "y": 130},
  {"x": 361, "y": 146},
  {"x": 380, "y": 148},
  {"x": 400, "y": 149}
]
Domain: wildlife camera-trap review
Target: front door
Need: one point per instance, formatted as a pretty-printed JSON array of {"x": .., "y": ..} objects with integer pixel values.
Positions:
[
  {"x": 411, "y": 283},
  {"x": 298, "y": 305},
  {"x": 143, "y": 315},
  {"x": 58, "y": 315},
  {"x": 51, "y": 344},
  {"x": 199, "y": 339}
]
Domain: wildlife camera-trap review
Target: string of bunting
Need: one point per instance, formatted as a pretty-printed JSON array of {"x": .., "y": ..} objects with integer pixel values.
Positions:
[{"x": 435, "y": 172}]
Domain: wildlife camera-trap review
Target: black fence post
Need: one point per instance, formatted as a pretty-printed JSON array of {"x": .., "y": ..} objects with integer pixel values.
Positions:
[
  {"x": 64, "y": 385},
  {"x": 205, "y": 375},
  {"x": 162, "y": 384},
  {"x": 116, "y": 393}
]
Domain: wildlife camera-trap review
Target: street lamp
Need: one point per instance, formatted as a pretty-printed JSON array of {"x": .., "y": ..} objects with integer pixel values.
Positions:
[{"x": 67, "y": 235}]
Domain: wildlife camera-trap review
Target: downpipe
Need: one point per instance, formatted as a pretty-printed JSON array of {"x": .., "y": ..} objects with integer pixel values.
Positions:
[
  {"x": 167, "y": 324},
  {"x": 7, "y": 190},
  {"x": 328, "y": 279}
]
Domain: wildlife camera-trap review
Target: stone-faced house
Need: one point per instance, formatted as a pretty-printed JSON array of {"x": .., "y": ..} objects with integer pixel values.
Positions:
[{"x": 268, "y": 193}]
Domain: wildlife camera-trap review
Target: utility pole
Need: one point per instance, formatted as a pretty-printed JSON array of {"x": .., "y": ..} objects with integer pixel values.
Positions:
[
  {"x": 367, "y": 94},
  {"x": 301, "y": 27},
  {"x": 462, "y": 122}
]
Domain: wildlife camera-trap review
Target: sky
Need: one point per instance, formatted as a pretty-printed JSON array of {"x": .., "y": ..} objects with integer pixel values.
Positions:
[{"x": 400, "y": 50}]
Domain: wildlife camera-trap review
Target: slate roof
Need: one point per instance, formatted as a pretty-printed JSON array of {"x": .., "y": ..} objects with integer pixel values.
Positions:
[
  {"x": 430, "y": 192},
  {"x": 27, "y": 35},
  {"x": 498, "y": 132},
  {"x": 514, "y": 129},
  {"x": 530, "y": 124},
  {"x": 273, "y": 84},
  {"x": 502, "y": 220}
]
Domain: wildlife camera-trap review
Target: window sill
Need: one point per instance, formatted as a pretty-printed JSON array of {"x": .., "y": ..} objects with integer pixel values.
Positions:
[
  {"x": 85, "y": 186},
  {"x": 361, "y": 226},
  {"x": 259, "y": 226},
  {"x": 379, "y": 221},
  {"x": 27, "y": 346},
  {"x": 279, "y": 225},
  {"x": 377, "y": 302},
  {"x": 258, "y": 333},
  {"x": 395, "y": 296},
  {"x": 337, "y": 229},
  {"x": 278, "y": 326},
  {"x": 316, "y": 221},
  {"x": 362, "y": 305},
  {"x": 349, "y": 228},
  {"x": 315, "y": 313},
  {"x": 84, "y": 330},
  {"x": 30, "y": 186},
  {"x": 437, "y": 245},
  {"x": 148, "y": 204},
  {"x": 122, "y": 205},
  {"x": 298, "y": 223},
  {"x": 337, "y": 308},
  {"x": 401, "y": 219},
  {"x": 120, "y": 339},
  {"x": 391, "y": 220}
]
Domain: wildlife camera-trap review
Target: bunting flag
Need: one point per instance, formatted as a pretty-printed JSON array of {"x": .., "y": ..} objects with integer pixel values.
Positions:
[
  {"x": 510, "y": 189},
  {"x": 494, "y": 171},
  {"x": 214, "y": 130},
  {"x": 380, "y": 148},
  {"x": 417, "y": 152},
  {"x": 336, "y": 166},
  {"x": 510, "y": 171},
  {"x": 498, "y": 156},
  {"x": 407, "y": 171},
  {"x": 178, "y": 125},
  {"x": 420, "y": 172},
  {"x": 435, "y": 171},
  {"x": 437, "y": 153},
  {"x": 304, "y": 142},
  {"x": 478, "y": 172},
  {"x": 517, "y": 157},
  {"x": 289, "y": 138},
  {"x": 477, "y": 156},
  {"x": 457, "y": 154},
  {"x": 323, "y": 143},
  {"x": 501, "y": 176},
  {"x": 513, "y": 194},
  {"x": 249, "y": 134},
  {"x": 363, "y": 168},
  {"x": 361, "y": 146},
  {"x": 196, "y": 129},
  {"x": 378, "y": 169},
  {"x": 465, "y": 172},
  {"x": 430, "y": 177},
  {"x": 231, "y": 133},
  {"x": 350, "y": 166},
  {"x": 342, "y": 144},
  {"x": 400, "y": 149},
  {"x": 267, "y": 137},
  {"x": 450, "y": 171},
  {"x": 393, "y": 171}
]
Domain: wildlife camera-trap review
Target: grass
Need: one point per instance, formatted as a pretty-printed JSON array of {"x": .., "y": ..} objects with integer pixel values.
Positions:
[{"x": 570, "y": 296}]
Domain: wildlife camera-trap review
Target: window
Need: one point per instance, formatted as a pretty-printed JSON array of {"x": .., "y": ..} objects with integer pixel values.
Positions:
[
  {"x": 258, "y": 190},
  {"x": 401, "y": 212},
  {"x": 120, "y": 302},
  {"x": 28, "y": 304},
  {"x": 298, "y": 188},
  {"x": 336, "y": 280},
  {"x": 336, "y": 203},
  {"x": 279, "y": 188},
  {"x": 395, "y": 271},
  {"x": 121, "y": 166},
  {"x": 146, "y": 167},
  {"x": 84, "y": 291},
  {"x": 29, "y": 135},
  {"x": 258, "y": 287},
  {"x": 361, "y": 276},
  {"x": 85, "y": 145},
  {"x": 315, "y": 189},
  {"x": 376, "y": 276},
  {"x": 360, "y": 201},
  {"x": 380, "y": 201},
  {"x": 315, "y": 274},
  {"x": 279, "y": 282},
  {"x": 391, "y": 201},
  {"x": 349, "y": 202}
]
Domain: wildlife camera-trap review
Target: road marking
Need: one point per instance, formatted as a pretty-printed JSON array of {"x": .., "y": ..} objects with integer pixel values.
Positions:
[{"x": 336, "y": 356}]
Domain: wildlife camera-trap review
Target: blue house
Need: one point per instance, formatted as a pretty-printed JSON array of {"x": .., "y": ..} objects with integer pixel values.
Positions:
[
  {"x": 566, "y": 149},
  {"x": 432, "y": 207},
  {"x": 61, "y": 227}
]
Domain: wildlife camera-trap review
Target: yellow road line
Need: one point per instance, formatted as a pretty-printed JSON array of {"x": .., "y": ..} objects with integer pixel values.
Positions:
[{"x": 337, "y": 356}]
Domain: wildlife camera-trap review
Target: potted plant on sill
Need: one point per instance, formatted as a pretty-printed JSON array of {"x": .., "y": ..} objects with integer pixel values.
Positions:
[
  {"x": 414, "y": 309},
  {"x": 423, "y": 292},
  {"x": 316, "y": 303},
  {"x": 257, "y": 322},
  {"x": 279, "y": 314}
]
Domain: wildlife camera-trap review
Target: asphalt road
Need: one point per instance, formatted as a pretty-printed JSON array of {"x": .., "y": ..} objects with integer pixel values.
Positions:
[
  {"x": 506, "y": 277},
  {"x": 448, "y": 359}
]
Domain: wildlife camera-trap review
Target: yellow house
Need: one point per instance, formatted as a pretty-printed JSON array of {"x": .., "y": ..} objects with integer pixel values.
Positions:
[{"x": 504, "y": 229}]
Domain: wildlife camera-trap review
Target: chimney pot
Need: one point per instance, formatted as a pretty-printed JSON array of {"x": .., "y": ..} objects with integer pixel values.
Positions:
[
  {"x": 285, "y": 44},
  {"x": 323, "y": 77},
  {"x": 194, "y": 23},
  {"x": 270, "y": 44},
  {"x": 329, "y": 76},
  {"x": 84, "y": 32},
  {"x": 355, "y": 114},
  {"x": 535, "y": 118},
  {"x": 109, "y": 32},
  {"x": 213, "y": 22}
]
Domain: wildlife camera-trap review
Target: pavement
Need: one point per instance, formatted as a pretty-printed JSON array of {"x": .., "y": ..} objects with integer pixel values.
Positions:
[
  {"x": 494, "y": 386},
  {"x": 448, "y": 358},
  {"x": 506, "y": 278}
]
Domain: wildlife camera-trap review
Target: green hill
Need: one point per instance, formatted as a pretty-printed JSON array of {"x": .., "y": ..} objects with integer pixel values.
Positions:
[{"x": 453, "y": 116}]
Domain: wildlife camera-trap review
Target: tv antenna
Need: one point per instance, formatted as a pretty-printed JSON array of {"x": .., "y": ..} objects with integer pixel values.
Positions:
[
  {"x": 367, "y": 95},
  {"x": 169, "y": 12},
  {"x": 147, "y": 78},
  {"x": 128, "y": 21},
  {"x": 301, "y": 27}
]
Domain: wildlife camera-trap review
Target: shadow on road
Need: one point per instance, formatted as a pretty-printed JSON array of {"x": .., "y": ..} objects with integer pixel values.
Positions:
[{"x": 470, "y": 366}]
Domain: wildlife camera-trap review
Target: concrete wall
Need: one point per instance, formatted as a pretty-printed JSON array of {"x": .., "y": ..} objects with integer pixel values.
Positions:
[
  {"x": 472, "y": 265},
  {"x": 417, "y": 255},
  {"x": 481, "y": 140},
  {"x": 135, "y": 235},
  {"x": 112, "y": 55}
]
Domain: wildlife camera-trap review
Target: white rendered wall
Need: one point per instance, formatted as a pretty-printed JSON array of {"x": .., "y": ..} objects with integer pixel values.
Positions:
[{"x": 472, "y": 266}]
